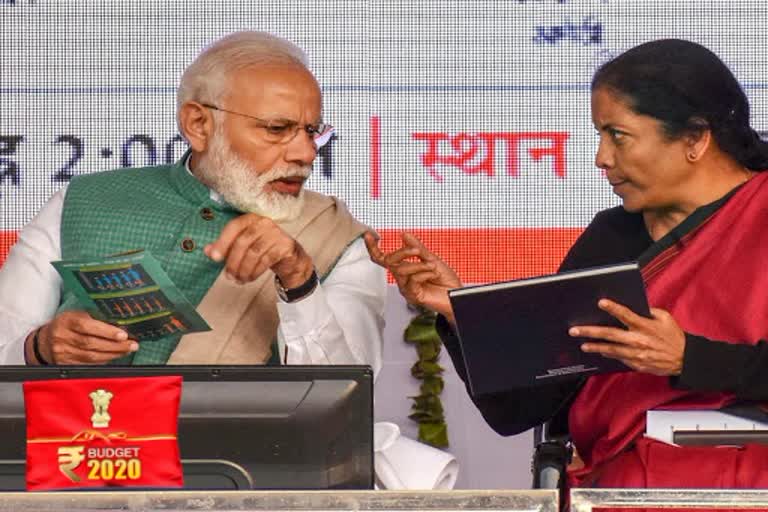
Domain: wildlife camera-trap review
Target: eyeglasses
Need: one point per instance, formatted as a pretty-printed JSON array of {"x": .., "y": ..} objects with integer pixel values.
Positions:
[{"x": 282, "y": 131}]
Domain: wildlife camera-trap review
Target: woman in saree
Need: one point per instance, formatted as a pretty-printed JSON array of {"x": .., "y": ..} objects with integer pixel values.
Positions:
[{"x": 676, "y": 146}]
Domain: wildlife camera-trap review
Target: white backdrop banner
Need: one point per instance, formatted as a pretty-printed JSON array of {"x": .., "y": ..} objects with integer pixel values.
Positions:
[{"x": 466, "y": 122}]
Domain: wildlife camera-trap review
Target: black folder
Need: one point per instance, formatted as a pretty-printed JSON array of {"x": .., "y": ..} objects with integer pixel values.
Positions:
[{"x": 515, "y": 334}]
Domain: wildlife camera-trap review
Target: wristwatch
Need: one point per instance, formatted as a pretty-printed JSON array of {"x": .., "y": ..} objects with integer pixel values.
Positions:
[{"x": 301, "y": 291}]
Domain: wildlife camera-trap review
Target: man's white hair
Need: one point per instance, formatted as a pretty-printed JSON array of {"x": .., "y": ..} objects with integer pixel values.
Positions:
[{"x": 206, "y": 79}]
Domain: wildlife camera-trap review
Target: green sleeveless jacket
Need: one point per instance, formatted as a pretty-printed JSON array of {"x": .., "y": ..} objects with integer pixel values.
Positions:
[{"x": 162, "y": 209}]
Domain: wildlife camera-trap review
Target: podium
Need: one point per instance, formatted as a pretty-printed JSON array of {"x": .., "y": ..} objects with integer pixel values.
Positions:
[
  {"x": 277, "y": 501},
  {"x": 585, "y": 500},
  {"x": 240, "y": 427}
]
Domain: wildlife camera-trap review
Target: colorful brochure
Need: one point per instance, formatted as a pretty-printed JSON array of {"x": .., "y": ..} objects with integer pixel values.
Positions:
[{"x": 131, "y": 290}]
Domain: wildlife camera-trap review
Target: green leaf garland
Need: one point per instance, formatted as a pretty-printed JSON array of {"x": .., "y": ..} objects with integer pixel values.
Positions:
[{"x": 427, "y": 409}]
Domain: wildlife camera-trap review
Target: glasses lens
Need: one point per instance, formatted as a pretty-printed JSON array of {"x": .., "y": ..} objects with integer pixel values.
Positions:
[
  {"x": 323, "y": 133},
  {"x": 278, "y": 131}
]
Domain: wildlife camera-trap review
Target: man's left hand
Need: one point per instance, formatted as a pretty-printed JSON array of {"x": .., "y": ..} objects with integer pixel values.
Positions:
[
  {"x": 651, "y": 345},
  {"x": 251, "y": 244}
]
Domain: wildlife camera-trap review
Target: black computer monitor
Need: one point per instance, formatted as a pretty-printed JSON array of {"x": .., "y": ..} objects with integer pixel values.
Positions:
[{"x": 240, "y": 427}]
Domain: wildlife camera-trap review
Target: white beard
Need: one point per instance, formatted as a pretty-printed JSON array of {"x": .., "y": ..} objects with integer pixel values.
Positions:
[{"x": 243, "y": 187}]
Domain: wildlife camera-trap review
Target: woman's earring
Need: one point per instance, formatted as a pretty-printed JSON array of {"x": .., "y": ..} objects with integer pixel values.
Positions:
[{"x": 692, "y": 156}]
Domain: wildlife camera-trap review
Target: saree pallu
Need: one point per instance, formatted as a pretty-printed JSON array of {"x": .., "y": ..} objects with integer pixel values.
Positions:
[{"x": 709, "y": 273}]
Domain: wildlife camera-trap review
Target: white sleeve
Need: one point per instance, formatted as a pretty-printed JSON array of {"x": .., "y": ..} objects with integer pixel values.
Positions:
[
  {"x": 30, "y": 288},
  {"x": 342, "y": 321}
]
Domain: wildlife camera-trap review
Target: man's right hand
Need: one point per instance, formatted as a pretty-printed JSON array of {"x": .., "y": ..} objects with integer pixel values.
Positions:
[{"x": 74, "y": 337}]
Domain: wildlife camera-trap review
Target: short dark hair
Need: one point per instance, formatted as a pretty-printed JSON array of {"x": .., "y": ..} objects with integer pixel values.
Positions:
[{"x": 687, "y": 88}]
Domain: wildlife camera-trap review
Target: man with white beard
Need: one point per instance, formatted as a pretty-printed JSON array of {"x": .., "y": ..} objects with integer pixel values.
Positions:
[{"x": 280, "y": 273}]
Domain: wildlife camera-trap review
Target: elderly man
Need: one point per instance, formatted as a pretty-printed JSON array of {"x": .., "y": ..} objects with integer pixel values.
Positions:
[{"x": 280, "y": 273}]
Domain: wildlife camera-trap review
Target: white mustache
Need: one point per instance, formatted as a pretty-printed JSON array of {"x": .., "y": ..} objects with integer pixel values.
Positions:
[{"x": 286, "y": 172}]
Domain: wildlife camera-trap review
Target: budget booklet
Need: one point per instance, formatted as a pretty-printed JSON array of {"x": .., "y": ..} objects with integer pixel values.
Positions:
[
  {"x": 514, "y": 334},
  {"x": 132, "y": 291}
]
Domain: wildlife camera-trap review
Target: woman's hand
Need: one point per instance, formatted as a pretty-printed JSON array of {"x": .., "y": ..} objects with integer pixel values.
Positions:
[
  {"x": 650, "y": 345},
  {"x": 423, "y": 278}
]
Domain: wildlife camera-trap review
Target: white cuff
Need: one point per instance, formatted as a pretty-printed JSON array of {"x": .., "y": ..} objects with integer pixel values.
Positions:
[
  {"x": 13, "y": 352},
  {"x": 305, "y": 316}
]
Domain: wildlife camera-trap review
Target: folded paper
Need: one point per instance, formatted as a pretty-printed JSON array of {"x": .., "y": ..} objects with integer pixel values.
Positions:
[{"x": 403, "y": 463}]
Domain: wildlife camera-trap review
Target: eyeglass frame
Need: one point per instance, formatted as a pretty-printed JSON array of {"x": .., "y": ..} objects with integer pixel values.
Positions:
[{"x": 319, "y": 137}]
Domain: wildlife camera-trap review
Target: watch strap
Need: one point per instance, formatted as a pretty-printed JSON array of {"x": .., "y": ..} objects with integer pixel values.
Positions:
[{"x": 301, "y": 291}]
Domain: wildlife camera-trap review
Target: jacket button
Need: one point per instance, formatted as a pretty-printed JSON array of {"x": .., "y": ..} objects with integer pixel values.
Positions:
[
  {"x": 187, "y": 245},
  {"x": 206, "y": 213}
]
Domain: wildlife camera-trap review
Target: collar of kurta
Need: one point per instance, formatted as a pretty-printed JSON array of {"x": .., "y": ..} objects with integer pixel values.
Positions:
[{"x": 192, "y": 189}]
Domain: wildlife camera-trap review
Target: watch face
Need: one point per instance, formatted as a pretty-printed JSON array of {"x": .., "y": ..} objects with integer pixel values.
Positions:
[{"x": 280, "y": 290}]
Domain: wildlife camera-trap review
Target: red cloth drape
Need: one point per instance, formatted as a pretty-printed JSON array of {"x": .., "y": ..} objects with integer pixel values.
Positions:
[
  {"x": 715, "y": 283},
  {"x": 119, "y": 432}
]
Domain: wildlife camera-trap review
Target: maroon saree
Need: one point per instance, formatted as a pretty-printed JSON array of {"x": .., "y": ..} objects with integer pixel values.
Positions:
[{"x": 711, "y": 274}]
